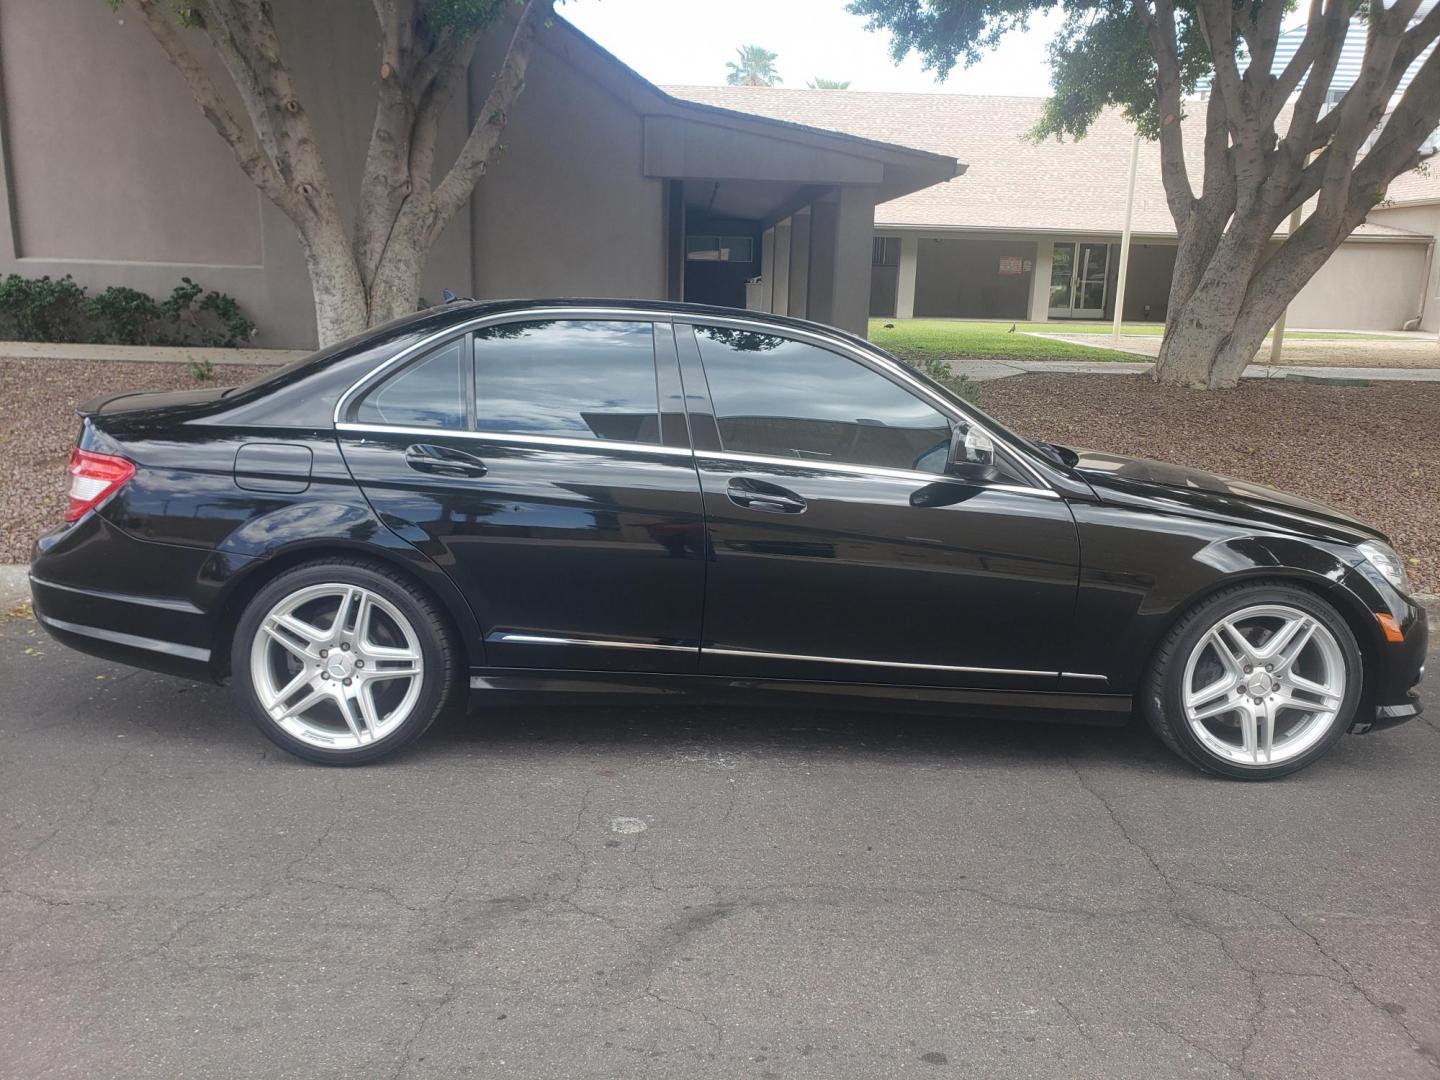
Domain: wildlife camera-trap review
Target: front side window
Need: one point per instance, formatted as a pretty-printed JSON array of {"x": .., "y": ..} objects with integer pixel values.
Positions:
[
  {"x": 784, "y": 398},
  {"x": 429, "y": 392},
  {"x": 578, "y": 379}
]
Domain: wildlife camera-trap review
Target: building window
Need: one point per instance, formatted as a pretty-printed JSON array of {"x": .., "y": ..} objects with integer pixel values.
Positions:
[
  {"x": 740, "y": 249},
  {"x": 885, "y": 251}
]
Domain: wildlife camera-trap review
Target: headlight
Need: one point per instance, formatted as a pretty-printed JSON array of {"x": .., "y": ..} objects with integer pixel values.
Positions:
[{"x": 1383, "y": 558}]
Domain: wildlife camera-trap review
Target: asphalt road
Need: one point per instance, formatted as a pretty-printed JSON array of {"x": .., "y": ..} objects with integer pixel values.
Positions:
[{"x": 687, "y": 892}]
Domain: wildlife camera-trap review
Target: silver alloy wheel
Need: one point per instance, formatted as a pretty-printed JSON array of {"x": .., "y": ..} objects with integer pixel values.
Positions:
[
  {"x": 1264, "y": 685},
  {"x": 337, "y": 666}
]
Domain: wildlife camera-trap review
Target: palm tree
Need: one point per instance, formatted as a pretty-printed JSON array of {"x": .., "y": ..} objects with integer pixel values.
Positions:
[
  {"x": 756, "y": 67},
  {"x": 818, "y": 83}
]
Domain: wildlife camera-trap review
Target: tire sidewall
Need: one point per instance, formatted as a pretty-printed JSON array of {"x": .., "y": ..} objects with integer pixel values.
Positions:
[
  {"x": 1172, "y": 679},
  {"x": 434, "y": 688}
]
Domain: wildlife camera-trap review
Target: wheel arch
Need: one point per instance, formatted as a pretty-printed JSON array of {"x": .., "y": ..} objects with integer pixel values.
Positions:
[
  {"x": 1350, "y": 607},
  {"x": 412, "y": 565}
]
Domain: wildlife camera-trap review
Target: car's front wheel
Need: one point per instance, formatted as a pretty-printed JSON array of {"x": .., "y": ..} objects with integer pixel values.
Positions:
[
  {"x": 1255, "y": 682},
  {"x": 343, "y": 662}
]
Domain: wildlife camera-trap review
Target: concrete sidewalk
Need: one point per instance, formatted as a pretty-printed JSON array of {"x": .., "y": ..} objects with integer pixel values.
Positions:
[{"x": 984, "y": 370}]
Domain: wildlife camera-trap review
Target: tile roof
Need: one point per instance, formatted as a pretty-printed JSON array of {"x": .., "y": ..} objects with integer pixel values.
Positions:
[{"x": 1011, "y": 184}]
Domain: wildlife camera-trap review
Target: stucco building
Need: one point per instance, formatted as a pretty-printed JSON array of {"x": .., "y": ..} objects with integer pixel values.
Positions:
[
  {"x": 608, "y": 186},
  {"x": 1032, "y": 230}
]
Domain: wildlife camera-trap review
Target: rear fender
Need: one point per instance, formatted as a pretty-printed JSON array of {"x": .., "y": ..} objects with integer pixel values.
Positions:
[{"x": 264, "y": 546}]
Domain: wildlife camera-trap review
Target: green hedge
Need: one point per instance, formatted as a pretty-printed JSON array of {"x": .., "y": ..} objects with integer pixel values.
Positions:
[{"x": 51, "y": 309}]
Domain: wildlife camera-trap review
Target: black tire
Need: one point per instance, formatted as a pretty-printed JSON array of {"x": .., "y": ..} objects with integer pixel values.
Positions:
[
  {"x": 1162, "y": 687},
  {"x": 442, "y": 664}
]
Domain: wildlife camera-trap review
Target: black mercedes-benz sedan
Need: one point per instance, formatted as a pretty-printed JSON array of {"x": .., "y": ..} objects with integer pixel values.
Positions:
[{"x": 605, "y": 497}]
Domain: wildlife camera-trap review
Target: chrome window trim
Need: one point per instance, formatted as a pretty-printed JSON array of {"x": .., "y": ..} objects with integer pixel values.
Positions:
[
  {"x": 868, "y": 470},
  {"x": 890, "y": 367},
  {"x": 518, "y": 440},
  {"x": 480, "y": 321},
  {"x": 760, "y": 655},
  {"x": 667, "y": 317},
  {"x": 507, "y": 638}
]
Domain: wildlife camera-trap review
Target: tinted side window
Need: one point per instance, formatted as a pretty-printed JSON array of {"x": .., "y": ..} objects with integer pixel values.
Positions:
[
  {"x": 580, "y": 380},
  {"x": 427, "y": 393},
  {"x": 785, "y": 398}
]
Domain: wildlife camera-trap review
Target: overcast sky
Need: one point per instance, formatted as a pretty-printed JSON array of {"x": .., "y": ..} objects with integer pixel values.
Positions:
[{"x": 689, "y": 41}]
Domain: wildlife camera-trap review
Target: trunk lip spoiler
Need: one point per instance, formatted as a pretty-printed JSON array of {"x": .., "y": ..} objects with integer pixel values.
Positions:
[{"x": 96, "y": 405}]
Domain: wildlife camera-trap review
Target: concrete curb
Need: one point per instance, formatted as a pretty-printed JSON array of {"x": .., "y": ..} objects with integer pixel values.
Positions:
[
  {"x": 145, "y": 354},
  {"x": 14, "y": 586}
]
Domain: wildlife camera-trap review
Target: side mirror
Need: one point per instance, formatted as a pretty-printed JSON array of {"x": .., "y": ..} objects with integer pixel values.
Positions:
[{"x": 972, "y": 456}]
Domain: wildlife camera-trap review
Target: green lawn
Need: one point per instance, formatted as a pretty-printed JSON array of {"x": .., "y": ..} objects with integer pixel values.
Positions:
[{"x": 979, "y": 340}]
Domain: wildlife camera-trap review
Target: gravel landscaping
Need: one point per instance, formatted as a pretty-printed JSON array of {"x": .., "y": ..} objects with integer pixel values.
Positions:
[
  {"x": 38, "y": 427},
  {"x": 1368, "y": 450}
]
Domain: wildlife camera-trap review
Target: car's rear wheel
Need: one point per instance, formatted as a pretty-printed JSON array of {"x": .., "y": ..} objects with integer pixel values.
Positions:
[
  {"x": 343, "y": 662},
  {"x": 1255, "y": 682}
]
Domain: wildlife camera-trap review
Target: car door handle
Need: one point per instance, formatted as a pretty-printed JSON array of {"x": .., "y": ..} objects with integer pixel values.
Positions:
[
  {"x": 443, "y": 461},
  {"x": 765, "y": 497}
]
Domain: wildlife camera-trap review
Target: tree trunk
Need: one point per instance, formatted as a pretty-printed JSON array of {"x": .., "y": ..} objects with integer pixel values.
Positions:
[
  {"x": 340, "y": 308},
  {"x": 1209, "y": 344}
]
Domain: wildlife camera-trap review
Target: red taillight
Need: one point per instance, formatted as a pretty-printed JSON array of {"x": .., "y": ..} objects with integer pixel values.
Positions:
[{"x": 93, "y": 478}]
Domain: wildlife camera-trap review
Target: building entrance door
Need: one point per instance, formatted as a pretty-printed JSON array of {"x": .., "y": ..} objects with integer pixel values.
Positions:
[{"x": 1079, "y": 278}]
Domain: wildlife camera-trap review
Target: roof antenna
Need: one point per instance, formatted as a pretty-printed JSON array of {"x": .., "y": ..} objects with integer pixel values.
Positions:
[{"x": 447, "y": 296}]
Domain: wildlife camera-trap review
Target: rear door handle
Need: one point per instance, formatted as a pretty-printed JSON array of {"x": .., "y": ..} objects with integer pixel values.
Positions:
[
  {"x": 443, "y": 461},
  {"x": 766, "y": 497}
]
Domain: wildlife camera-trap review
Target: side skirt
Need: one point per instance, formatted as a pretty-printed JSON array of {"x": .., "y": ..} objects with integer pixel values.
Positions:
[{"x": 1102, "y": 709}]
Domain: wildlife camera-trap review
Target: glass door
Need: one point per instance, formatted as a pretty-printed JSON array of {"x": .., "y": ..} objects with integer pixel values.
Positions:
[
  {"x": 1090, "y": 281},
  {"x": 1079, "y": 279},
  {"x": 1062, "y": 280}
]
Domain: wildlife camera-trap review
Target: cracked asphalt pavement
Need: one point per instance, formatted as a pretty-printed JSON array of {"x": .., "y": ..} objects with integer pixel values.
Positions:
[{"x": 677, "y": 890}]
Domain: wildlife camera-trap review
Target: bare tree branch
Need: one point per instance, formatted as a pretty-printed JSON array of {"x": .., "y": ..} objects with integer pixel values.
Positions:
[
  {"x": 451, "y": 193},
  {"x": 1160, "y": 31},
  {"x": 241, "y": 140}
]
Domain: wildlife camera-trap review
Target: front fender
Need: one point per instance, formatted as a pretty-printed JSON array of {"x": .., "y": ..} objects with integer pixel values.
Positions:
[{"x": 1140, "y": 570}]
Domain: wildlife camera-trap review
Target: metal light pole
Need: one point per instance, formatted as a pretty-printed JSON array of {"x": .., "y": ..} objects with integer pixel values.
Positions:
[{"x": 1125, "y": 242}]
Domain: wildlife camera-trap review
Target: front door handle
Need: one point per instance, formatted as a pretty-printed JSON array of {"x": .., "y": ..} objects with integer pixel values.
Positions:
[
  {"x": 443, "y": 461},
  {"x": 766, "y": 497}
]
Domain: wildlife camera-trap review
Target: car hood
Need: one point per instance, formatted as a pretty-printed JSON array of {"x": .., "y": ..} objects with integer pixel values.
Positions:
[{"x": 1180, "y": 489}]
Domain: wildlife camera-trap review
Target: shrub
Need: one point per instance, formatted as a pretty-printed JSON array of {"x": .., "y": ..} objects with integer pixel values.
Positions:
[
  {"x": 42, "y": 309},
  {"x": 46, "y": 309},
  {"x": 963, "y": 386},
  {"x": 123, "y": 316},
  {"x": 200, "y": 370}
]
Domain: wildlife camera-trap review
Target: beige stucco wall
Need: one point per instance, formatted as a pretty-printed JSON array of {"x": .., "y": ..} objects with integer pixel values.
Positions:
[
  {"x": 1363, "y": 286},
  {"x": 1420, "y": 219},
  {"x": 567, "y": 210},
  {"x": 116, "y": 178}
]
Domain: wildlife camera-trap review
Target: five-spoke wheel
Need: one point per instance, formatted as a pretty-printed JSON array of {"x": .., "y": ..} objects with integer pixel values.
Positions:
[
  {"x": 1255, "y": 682},
  {"x": 342, "y": 661}
]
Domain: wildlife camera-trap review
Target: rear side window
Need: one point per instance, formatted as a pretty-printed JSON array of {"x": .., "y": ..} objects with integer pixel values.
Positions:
[
  {"x": 427, "y": 393},
  {"x": 784, "y": 398},
  {"x": 571, "y": 378}
]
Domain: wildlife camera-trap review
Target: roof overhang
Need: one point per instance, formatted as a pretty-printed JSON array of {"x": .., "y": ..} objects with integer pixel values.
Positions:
[{"x": 690, "y": 141}]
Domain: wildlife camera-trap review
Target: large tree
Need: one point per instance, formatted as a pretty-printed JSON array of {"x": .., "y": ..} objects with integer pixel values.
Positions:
[
  {"x": 1270, "y": 143},
  {"x": 366, "y": 269}
]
